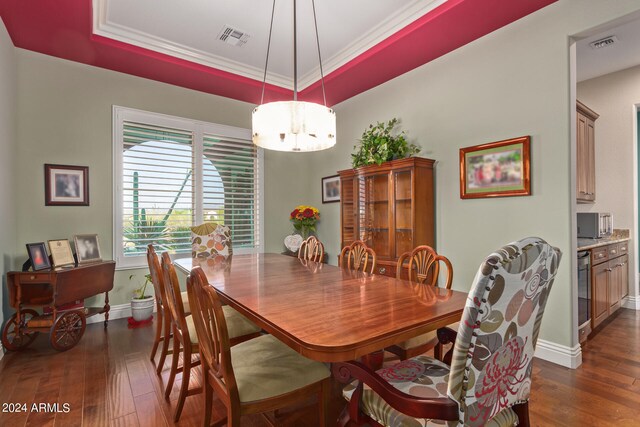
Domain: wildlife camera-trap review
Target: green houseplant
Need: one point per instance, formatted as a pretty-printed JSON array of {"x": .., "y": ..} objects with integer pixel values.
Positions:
[
  {"x": 380, "y": 144},
  {"x": 141, "y": 303}
]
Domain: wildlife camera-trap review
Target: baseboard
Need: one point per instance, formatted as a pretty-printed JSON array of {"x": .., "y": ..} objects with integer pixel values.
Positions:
[
  {"x": 570, "y": 357},
  {"x": 631, "y": 302},
  {"x": 120, "y": 311}
]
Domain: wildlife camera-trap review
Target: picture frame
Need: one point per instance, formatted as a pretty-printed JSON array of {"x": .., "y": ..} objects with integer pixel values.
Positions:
[
  {"x": 38, "y": 256},
  {"x": 331, "y": 189},
  {"x": 66, "y": 185},
  {"x": 87, "y": 248},
  {"x": 496, "y": 169},
  {"x": 61, "y": 254}
]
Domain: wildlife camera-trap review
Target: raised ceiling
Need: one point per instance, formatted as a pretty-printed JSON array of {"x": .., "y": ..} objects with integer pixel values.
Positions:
[{"x": 363, "y": 43}]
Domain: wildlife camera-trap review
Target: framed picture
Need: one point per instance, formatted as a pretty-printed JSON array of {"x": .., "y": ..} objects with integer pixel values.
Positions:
[
  {"x": 38, "y": 256},
  {"x": 66, "y": 185},
  {"x": 61, "y": 252},
  {"x": 497, "y": 169},
  {"x": 331, "y": 189},
  {"x": 87, "y": 248}
]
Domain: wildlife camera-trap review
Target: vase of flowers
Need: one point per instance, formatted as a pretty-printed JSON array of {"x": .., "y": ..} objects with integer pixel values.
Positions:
[{"x": 304, "y": 219}]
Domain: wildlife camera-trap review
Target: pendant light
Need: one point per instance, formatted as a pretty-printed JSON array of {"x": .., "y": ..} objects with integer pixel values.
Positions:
[{"x": 294, "y": 125}]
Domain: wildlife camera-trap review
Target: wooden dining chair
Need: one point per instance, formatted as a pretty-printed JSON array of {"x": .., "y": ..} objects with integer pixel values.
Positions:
[
  {"x": 185, "y": 340},
  {"x": 422, "y": 265},
  {"x": 257, "y": 376},
  {"x": 311, "y": 249},
  {"x": 163, "y": 323},
  {"x": 358, "y": 256},
  {"x": 485, "y": 378}
]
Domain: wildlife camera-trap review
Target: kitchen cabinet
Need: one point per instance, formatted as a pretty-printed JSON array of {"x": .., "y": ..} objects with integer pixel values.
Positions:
[
  {"x": 609, "y": 280},
  {"x": 585, "y": 154},
  {"x": 389, "y": 207}
]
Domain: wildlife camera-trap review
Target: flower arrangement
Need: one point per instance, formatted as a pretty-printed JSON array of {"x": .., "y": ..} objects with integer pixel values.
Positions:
[{"x": 304, "y": 219}]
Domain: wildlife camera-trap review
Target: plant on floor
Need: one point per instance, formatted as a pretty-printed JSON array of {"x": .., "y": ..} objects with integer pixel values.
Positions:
[
  {"x": 141, "y": 303},
  {"x": 378, "y": 144},
  {"x": 140, "y": 293}
]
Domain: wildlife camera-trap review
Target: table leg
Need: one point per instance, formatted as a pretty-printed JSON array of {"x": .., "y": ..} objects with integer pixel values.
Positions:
[
  {"x": 106, "y": 309},
  {"x": 374, "y": 360}
]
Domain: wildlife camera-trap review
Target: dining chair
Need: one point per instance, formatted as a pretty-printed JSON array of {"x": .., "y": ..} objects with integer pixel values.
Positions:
[
  {"x": 211, "y": 240},
  {"x": 422, "y": 265},
  {"x": 257, "y": 376},
  {"x": 358, "y": 256},
  {"x": 163, "y": 323},
  {"x": 185, "y": 340},
  {"x": 485, "y": 378},
  {"x": 311, "y": 249}
]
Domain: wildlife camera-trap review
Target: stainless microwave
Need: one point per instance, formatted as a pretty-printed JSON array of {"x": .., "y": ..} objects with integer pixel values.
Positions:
[{"x": 594, "y": 225}]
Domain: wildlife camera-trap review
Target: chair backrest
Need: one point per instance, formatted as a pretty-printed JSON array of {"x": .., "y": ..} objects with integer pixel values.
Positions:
[
  {"x": 358, "y": 256},
  {"x": 311, "y": 249},
  {"x": 173, "y": 295},
  {"x": 156, "y": 275},
  {"x": 213, "y": 337},
  {"x": 210, "y": 240},
  {"x": 493, "y": 352},
  {"x": 424, "y": 266}
]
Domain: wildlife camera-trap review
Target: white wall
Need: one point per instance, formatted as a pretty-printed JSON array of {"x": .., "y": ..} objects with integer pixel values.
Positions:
[
  {"x": 510, "y": 83},
  {"x": 614, "y": 96},
  {"x": 8, "y": 122}
]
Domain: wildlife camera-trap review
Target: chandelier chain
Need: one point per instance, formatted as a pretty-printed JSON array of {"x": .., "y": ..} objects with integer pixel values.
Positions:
[
  {"x": 315, "y": 22},
  {"x": 266, "y": 64}
]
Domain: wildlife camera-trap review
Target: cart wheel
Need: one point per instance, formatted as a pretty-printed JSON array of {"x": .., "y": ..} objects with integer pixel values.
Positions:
[
  {"x": 67, "y": 330},
  {"x": 13, "y": 335}
]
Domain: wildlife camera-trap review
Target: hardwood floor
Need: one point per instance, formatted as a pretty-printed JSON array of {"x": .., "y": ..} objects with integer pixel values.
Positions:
[{"x": 108, "y": 380}]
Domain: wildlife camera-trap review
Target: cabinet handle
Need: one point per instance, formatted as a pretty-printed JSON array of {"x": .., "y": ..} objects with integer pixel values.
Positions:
[
  {"x": 382, "y": 270},
  {"x": 32, "y": 277},
  {"x": 600, "y": 255},
  {"x": 583, "y": 192},
  {"x": 614, "y": 251},
  {"x": 608, "y": 269}
]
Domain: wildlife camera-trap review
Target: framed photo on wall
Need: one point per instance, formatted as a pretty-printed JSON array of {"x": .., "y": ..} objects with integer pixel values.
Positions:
[
  {"x": 66, "y": 185},
  {"x": 496, "y": 169},
  {"x": 87, "y": 248},
  {"x": 331, "y": 189},
  {"x": 38, "y": 256},
  {"x": 61, "y": 253}
]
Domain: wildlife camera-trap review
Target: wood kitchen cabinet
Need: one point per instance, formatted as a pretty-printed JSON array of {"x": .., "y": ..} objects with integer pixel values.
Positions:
[
  {"x": 389, "y": 207},
  {"x": 585, "y": 154},
  {"x": 609, "y": 280}
]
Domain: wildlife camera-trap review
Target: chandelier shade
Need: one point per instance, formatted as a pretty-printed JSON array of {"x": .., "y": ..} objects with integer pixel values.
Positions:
[{"x": 294, "y": 126}]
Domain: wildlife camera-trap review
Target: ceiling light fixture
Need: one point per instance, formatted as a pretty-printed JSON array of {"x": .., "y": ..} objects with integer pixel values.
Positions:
[{"x": 294, "y": 125}]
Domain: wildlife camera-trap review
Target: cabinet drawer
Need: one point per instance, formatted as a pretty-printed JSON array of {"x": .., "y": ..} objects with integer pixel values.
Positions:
[
  {"x": 385, "y": 270},
  {"x": 613, "y": 251},
  {"x": 599, "y": 255},
  {"x": 35, "y": 278},
  {"x": 623, "y": 248}
]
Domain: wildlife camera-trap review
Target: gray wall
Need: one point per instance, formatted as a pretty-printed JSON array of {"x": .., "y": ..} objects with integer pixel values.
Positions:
[
  {"x": 8, "y": 122},
  {"x": 614, "y": 97}
]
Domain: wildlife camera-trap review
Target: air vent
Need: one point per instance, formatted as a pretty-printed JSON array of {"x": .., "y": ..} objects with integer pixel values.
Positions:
[
  {"x": 605, "y": 42},
  {"x": 233, "y": 36}
]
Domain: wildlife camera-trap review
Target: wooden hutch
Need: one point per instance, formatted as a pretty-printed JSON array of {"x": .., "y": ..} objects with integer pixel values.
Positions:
[{"x": 389, "y": 207}]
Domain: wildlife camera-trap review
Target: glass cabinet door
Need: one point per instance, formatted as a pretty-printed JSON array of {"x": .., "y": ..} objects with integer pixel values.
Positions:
[
  {"x": 373, "y": 212},
  {"x": 404, "y": 238}
]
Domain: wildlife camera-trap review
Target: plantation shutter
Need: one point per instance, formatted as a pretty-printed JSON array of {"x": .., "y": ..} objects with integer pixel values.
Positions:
[
  {"x": 157, "y": 186},
  {"x": 230, "y": 187}
]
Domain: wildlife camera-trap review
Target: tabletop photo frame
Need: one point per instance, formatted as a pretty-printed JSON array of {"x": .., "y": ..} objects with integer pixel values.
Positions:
[
  {"x": 61, "y": 254},
  {"x": 87, "y": 248},
  {"x": 38, "y": 256}
]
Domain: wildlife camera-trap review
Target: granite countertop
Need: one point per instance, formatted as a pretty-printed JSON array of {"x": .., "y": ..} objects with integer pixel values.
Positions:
[{"x": 618, "y": 236}]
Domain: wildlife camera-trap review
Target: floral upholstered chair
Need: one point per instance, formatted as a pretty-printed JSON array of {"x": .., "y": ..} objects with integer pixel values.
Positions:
[
  {"x": 485, "y": 379},
  {"x": 211, "y": 240}
]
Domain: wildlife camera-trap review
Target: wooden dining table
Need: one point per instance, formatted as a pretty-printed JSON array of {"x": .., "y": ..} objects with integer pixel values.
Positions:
[{"x": 324, "y": 312}]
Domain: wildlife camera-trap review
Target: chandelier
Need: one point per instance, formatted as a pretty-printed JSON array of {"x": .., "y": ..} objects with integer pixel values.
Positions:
[{"x": 294, "y": 125}]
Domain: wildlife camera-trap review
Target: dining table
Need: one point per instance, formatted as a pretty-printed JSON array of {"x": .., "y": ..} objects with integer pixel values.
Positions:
[{"x": 324, "y": 312}]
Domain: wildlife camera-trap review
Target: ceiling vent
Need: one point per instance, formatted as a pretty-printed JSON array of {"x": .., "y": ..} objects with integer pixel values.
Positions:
[
  {"x": 233, "y": 36},
  {"x": 605, "y": 42}
]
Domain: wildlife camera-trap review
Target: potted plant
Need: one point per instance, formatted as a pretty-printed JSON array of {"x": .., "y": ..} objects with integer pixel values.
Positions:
[
  {"x": 379, "y": 144},
  {"x": 141, "y": 303}
]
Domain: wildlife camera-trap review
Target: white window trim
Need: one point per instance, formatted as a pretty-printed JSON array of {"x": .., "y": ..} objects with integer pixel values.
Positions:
[{"x": 199, "y": 128}]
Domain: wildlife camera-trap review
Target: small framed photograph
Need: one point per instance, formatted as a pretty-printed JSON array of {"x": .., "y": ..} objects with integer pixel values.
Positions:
[
  {"x": 38, "y": 256},
  {"x": 87, "y": 248},
  {"x": 331, "y": 189},
  {"x": 61, "y": 253},
  {"x": 66, "y": 185},
  {"x": 497, "y": 169}
]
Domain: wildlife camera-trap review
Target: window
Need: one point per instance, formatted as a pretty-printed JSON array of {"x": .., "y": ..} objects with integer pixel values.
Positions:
[{"x": 172, "y": 173}]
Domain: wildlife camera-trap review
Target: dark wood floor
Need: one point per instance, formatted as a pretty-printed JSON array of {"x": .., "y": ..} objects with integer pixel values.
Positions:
[{"x": 108, "y": 380}]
